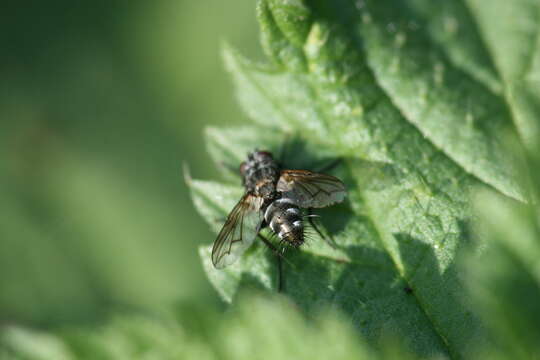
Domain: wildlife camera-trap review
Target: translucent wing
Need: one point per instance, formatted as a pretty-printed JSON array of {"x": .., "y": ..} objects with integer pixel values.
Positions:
[
  {"x": 311, "y": 190},
  {"x": 238, "y": 232}
]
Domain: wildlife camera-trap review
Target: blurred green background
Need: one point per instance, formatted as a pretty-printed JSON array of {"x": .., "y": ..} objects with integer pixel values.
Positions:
[{"x": 101, "y": 102}]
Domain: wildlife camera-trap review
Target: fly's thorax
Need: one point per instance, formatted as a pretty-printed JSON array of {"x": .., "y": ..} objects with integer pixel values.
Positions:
[
  {"x": 266, "y": 188},
  {"x": 285, "y": 219},
  {"x": 260, "y": 173}
]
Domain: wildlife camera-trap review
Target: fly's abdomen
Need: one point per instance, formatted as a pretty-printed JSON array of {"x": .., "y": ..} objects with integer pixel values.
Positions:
[{"x": 285, "y": 219}]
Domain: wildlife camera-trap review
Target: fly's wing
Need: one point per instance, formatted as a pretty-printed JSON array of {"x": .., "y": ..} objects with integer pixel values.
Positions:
[
  {"x": 311, "y": 190},
  {"x": 238, "y": 232}
]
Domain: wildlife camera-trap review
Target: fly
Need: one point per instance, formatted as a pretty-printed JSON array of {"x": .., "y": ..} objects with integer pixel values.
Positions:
[{"x": 273, "y": 197}]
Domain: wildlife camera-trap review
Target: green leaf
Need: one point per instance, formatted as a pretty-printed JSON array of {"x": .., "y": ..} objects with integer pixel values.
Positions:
[
  {"x": 459, "y": 114},
  {"x": 505, "y": 279},
  {"x": 258, "y": 328},
  {"x": 513, "y": 41},
  {"x": 410, "y": 96}
]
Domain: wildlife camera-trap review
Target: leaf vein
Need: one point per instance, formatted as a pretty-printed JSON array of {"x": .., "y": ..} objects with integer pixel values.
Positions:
[{"x": 505, "y": 97}]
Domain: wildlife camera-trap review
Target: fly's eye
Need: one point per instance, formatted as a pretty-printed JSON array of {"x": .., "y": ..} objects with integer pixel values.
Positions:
[
  {"x": 243, "y": 168},
  {"x": 264, "y": 154}
]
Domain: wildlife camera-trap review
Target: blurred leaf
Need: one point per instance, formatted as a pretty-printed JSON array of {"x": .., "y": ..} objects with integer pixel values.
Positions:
[
  {"x": 411, "y": 98},
  {"x": 100, "y": 103},
  {"x": 504, "y": 279},
  {"x": 257, "y": 329}
]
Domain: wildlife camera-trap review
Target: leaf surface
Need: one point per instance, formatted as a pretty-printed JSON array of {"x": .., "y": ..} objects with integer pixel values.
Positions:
[
  {"x": 239, "y": 335},
  {"x": 412, "y": 99}
]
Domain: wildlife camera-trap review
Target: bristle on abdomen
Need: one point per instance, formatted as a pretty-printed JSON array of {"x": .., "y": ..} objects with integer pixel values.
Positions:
[{"x": 285, "y": 219}]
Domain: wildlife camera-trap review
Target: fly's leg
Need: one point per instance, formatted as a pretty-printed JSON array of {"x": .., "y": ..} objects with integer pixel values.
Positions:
[
  {"x": 326, "y": 239},
  {"x": 279, "y": 262}
]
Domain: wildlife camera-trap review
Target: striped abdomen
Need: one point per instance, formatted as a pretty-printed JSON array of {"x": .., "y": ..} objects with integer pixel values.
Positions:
[{"x": 285, "y": 219}]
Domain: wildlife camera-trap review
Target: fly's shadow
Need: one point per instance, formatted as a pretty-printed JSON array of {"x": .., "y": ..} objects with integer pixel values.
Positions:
[{"x": 296, "y": 153}]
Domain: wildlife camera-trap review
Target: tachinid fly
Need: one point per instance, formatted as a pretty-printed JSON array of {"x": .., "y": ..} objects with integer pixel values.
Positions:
[{"x": 273, "y": 197}]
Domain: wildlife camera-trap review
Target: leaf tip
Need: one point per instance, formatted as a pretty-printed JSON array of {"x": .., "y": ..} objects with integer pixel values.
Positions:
[
  {"x": 227, "y": 53},
  {"x": 186, "y": 174},
  {"x": 235, "y": 63},
  {"x": 293, "y": 18}
]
